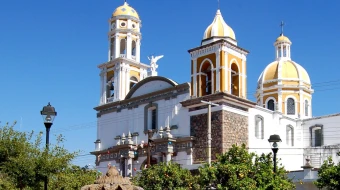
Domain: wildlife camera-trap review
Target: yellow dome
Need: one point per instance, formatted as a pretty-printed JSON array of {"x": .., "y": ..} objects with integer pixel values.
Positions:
[
  {"x": 125, "y": 10},
  {"x": 283, "y": 38},
  {"x": 284, "y": 70},
  {"x": 219, "y": 28}
]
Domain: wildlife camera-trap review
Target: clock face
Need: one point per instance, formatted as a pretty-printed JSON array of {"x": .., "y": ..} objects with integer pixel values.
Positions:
[{"x": 113, "y": 26}]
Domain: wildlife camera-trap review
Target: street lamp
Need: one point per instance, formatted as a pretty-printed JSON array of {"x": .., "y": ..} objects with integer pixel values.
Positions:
[
  {"x": 209, "y": 128},
  {"x": 274, "y": 141},
  {"x": 48, "y": 113}
]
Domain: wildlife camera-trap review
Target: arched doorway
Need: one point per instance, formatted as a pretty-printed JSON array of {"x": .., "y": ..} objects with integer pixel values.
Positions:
[{"x": 235, "y": 80}]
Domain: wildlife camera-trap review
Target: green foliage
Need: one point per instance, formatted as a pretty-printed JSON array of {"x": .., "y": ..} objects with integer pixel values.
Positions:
[
  {"x": 329, "y": 175},
  {"x": 73, "y": 177},
  {"x": 238, "y": 169},
  {"x": 24, "y": 164},
  {"x": 164, "y": 176}
]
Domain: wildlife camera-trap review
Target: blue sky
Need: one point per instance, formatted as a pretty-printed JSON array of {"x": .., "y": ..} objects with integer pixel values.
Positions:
[{"x": 49, "y": 52}]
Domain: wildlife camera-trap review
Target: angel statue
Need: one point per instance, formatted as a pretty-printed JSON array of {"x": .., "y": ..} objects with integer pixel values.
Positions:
[{"x": 153, "y": 61}]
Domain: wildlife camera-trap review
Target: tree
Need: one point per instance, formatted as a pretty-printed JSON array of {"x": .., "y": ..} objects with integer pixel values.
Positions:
[
  {"x": 73, "y": 177},
  {"x": 329, "y": 175},
  {"x": 163, "y": 176},
  {"x": 238, "y": 169},
  {"x": 25, "y": 162}
]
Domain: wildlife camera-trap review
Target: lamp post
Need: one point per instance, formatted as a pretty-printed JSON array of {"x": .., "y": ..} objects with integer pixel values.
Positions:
[
  {"x": 274, "y": 141},
  {"x": 48, "y": 113},
  {"x": 209, "y": 128}
]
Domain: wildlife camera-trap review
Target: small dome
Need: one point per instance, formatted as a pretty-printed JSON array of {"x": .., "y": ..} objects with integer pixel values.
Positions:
[
  {"x": 283, "y": 38},
  {"x": 219, "y": 28},
  {"x": 125, "y": 10},
  {"x": 285, "y": 70}
]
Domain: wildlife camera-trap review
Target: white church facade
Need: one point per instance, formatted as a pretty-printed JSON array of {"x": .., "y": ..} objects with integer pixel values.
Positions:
[{"x": 136, "y": 103}]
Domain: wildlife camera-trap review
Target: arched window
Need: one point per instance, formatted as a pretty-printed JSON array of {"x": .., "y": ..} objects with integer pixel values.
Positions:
[
  {"x": 235, "y": 80},
  {"x": 110, "y": 92},
  {"x": 112, "y": 49},
  {"x": 259, "y": 127},
  {"x": 206, "y": 76},
  {"x": 290, "y": 106},
  {"x": 123, "y": 46},
  {"x": 289, "y": 135},
  {"x": 133, "y": 82},
  {"x": 306, "y": 107},
  {"x": 271, "y": 105},
  {"x": 133, "y": 48}
]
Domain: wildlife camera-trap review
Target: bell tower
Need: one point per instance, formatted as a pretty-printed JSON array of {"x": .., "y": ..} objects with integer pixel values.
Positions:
[
  {"x": 123, "y": 69},
  {"x": 218, "y": 65}
]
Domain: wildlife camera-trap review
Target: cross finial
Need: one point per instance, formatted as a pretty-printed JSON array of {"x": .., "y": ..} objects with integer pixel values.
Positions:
[
  {"x": 218, "y": 4},
  {"x": 282, "y": 25}
]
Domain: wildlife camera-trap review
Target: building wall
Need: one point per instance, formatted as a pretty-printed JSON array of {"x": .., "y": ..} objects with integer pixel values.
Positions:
[
  {"x": 331, "y": 140},
  {"x": 276, "y": 123},
  {"x": 170, "y": 113},
  {"x": 227, "y": 128}
]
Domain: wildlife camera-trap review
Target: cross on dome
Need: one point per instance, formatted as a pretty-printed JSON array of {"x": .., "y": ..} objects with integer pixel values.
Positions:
[{"x": 282, "y": 25}]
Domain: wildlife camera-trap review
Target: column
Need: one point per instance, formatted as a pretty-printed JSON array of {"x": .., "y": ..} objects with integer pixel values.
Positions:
[
  {"x": 138, "y": 50},
  {"x": 127, "y": 74},
  {"x": 101, "y": 87},
  {"x": 122, "y": 82},
  {"x": 244, "y": 79},
  {"x": 117, "y": 81},
  {"x": 276, "y": 52},
  {"x": 104, "y": 86},
  {"x": 281, "y": 50},
  {"x": 227, "y": 72},
  {"x": 301, "y": 103},
  {"x": 194, "y": 77},
  {"x": 129, "y": 166},
  {"x": 279, "y": 101},
  {"x": 128, "y": 45},
  {"x": 117, "y": 46},
  {"x": 218, "y": 65}
]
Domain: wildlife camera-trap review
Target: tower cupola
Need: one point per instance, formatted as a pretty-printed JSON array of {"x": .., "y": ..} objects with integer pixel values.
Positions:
[{"x": 217, "y": 30}]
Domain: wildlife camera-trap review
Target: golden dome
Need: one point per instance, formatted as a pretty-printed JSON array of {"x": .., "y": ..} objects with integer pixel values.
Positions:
[
  {"x": 283, "y": 38},
  {"x": 125, "y": 10},
  {"x": 284, "y": 70},
  {"x": 219, "y": 28}
]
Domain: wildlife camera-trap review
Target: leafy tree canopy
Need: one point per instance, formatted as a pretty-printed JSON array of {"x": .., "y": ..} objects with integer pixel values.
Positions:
[
  {"x": 329, "y": 175},
  {"x": 165, "y": 176},
  {"x": 238, "y": 169},
  {"x": 24, "y": 164}
]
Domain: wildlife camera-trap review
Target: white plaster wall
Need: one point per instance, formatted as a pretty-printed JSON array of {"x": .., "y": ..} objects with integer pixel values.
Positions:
[
  {"x": 274, "y": 123},
  {"x": 170, "y": 113},
  {"x": 151, "y": 86},
  {"x": 331, "y": 139}
]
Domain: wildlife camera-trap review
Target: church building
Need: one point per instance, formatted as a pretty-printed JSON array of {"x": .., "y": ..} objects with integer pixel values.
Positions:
[{"x": 141, "y": 113}]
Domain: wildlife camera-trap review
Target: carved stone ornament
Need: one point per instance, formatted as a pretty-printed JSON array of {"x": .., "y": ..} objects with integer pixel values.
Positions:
[{"x": 112, "y": 181}]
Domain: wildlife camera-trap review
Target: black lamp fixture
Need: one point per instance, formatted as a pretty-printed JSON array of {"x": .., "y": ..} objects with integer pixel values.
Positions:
[
  {"x": 274, "y": 141},
  {"x": 48, "y": 114}
]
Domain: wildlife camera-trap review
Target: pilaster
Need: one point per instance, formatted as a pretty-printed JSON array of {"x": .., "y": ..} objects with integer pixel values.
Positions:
[
  {"x": 194, "y": 76},
  {"x": 128, "y": 46},
  {"x": 218, "y": 67}
]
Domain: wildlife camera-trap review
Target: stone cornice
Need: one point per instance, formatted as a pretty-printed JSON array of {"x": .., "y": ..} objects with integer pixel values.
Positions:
[
  {"x": 220, "y": 43},
  {"x": 134, "y": 102},
  {"x": 121, "y": 59},
  {"x": 113, "y": 32},
  {"x": 219, "y": 97},
  {"x": 124, "y": 17}
]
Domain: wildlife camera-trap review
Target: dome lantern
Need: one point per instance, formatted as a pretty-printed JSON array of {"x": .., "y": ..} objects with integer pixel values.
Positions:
[{"x": 282, "y": 46}]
